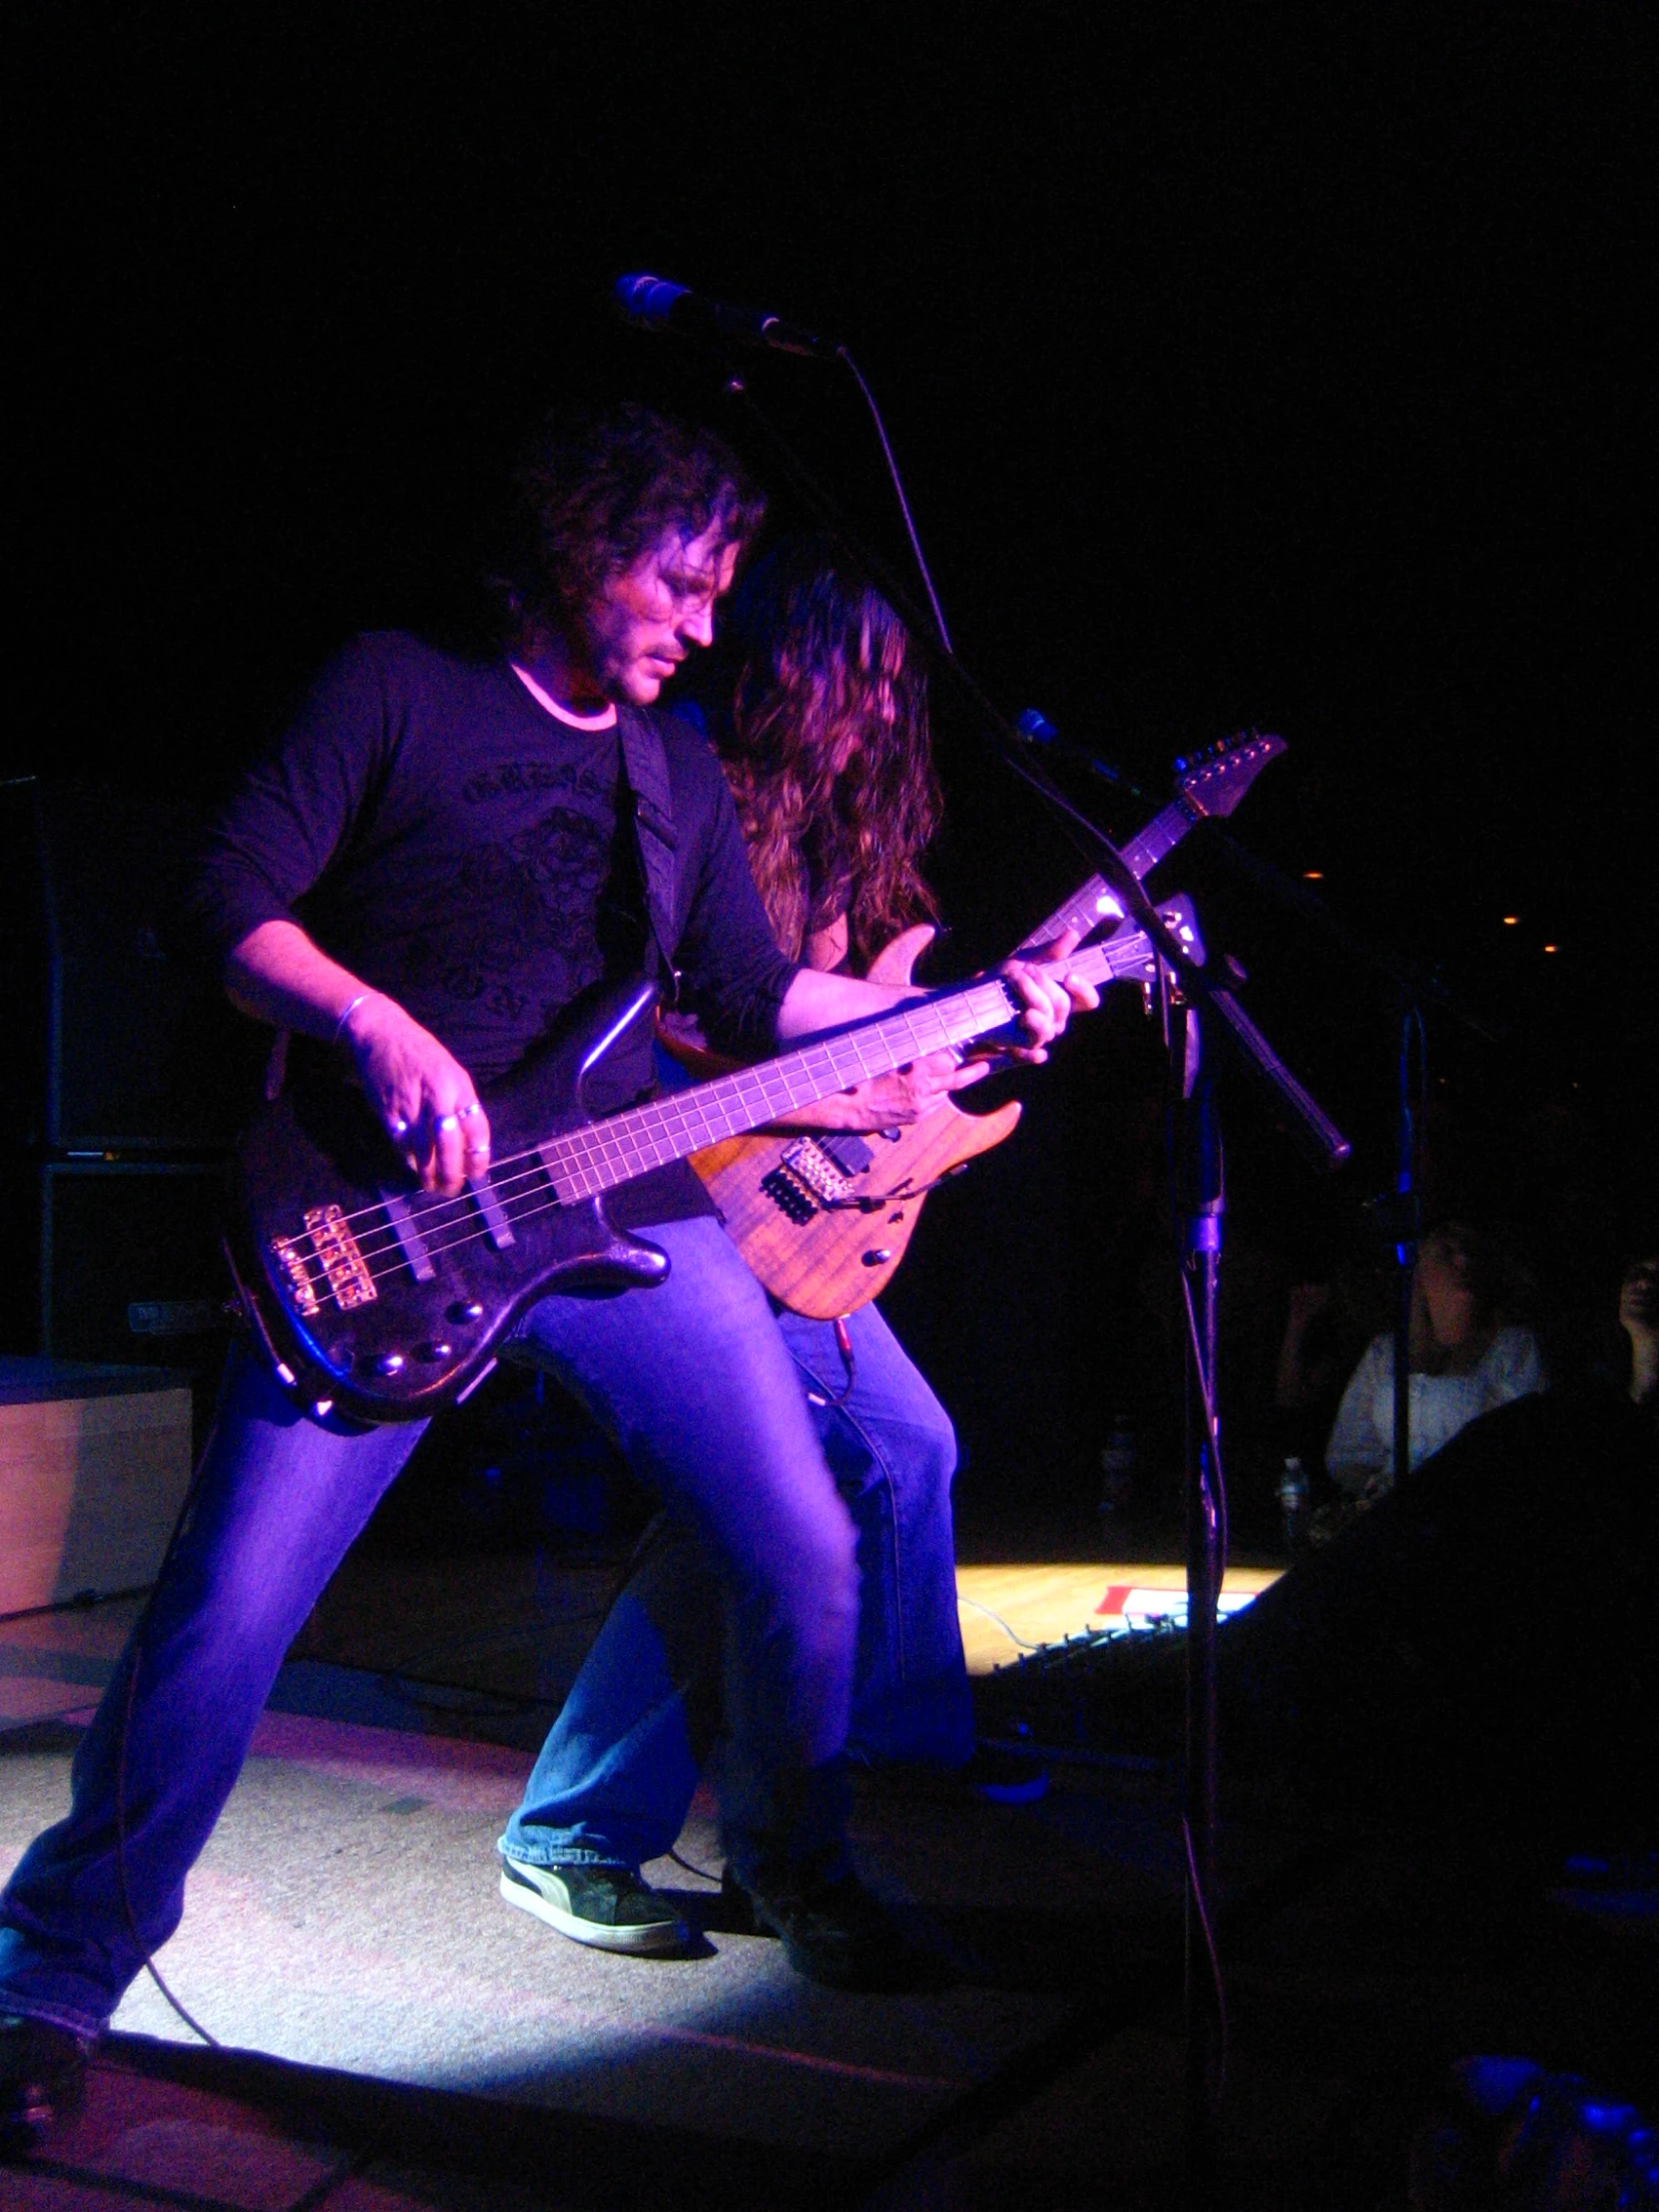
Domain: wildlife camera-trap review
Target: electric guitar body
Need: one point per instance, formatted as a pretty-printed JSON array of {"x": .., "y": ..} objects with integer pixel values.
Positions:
[
  {"x": 825, "y": 1216},
  {"x": 370, "y": 1294},
  {"x": 859, "y": 1195}
]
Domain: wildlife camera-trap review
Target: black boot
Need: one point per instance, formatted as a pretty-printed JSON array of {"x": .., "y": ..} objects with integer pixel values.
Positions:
[
  {"x": 41, "y": 2079},
  {"x": 833, "y": 1929}
]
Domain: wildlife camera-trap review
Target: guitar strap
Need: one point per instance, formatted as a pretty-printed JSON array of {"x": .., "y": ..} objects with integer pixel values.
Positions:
[{"x": 645, "y": 773}]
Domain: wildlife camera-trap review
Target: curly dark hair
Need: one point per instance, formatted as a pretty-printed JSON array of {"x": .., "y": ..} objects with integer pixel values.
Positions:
[
  {"x": 594, "y": 490},
  {"x": 826, "y": 747}
]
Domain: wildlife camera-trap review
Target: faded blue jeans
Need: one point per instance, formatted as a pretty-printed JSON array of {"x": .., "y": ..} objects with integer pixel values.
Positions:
[
  {"x": 616, "y": 1776},
  {"x": 694, "y": 1381}
]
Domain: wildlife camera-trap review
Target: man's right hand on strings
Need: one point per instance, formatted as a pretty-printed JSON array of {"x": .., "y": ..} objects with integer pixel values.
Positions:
[{"x": 426, "y": 1101}]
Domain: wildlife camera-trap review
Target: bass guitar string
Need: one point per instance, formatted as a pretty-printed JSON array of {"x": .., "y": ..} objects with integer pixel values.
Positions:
[
  {"x": 586, "y": 1157},
  {"x": 592, "y": 1142},
  {"x": 635, "y": 1140},
  {"x": 810, "y": 1061},
  {"x": 767, "y": 1089},
  {"x": 601, "y": 1146}
]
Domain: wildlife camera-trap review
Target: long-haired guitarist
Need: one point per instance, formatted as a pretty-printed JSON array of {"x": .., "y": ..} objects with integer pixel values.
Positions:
[{"x": 435, "y": 864}]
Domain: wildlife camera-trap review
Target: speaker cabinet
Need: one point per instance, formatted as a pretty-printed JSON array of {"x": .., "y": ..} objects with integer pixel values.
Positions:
[
  {"x": 130, "y": 1269},
  {"x": 125, "y": 1040}
]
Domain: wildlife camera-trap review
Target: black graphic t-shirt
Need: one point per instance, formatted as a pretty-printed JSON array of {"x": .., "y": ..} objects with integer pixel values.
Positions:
[{"x": 457, "y": 846}]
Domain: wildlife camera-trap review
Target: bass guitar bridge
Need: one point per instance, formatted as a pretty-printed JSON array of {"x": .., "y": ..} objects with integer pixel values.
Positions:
[{"x": 329, "y": 1244}]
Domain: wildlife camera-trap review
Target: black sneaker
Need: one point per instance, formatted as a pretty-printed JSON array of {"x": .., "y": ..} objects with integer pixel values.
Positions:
[
  {"x": 611, "y": 1908},
  {"x": 833, "y": 1932},
  {"x": 1003, "y": 1777},
  {"x": 42, "y": 2078}
]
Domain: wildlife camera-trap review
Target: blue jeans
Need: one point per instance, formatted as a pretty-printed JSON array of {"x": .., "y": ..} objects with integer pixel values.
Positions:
[
  {"x": 616, "y": 1776},
  {"x": 693, "y": 1380}
]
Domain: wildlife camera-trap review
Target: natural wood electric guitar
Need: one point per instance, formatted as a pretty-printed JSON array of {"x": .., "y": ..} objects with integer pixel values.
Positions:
[{"x": 824, "y": 1217}]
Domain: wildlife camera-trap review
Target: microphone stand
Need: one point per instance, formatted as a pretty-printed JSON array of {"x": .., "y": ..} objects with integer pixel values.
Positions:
[
  {"x": 1201, "y": 1203},
  {"x": 1321, "y": 1143},
  {"x": 1406, "y": 1224},
  {"x": 1413, "y": 987},
  {"x": 1401, "y": 1214}
]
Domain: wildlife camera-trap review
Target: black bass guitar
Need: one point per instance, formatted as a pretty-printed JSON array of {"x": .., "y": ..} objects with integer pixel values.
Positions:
[{"x": 386, "y": 1300}]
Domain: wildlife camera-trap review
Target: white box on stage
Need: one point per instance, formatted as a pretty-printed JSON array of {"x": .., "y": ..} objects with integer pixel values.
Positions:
[{"x": 94, "y": 1465}]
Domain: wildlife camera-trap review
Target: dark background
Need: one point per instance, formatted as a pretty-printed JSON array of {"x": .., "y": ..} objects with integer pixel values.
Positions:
[{"x": 1246, "y": 368}]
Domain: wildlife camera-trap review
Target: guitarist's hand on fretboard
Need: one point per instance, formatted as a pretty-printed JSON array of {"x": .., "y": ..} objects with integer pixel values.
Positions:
[{"x": 1052, "y": 994}]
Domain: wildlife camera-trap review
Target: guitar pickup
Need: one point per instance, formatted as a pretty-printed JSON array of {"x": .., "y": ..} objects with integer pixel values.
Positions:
[
  {"x": 411, "y": 1242},
  {"x": 847, "y": 1149},
  {"x": 487, "y": 1199}
]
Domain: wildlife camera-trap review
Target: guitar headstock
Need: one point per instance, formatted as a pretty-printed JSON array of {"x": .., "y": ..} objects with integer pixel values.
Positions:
[{"x": 1212, "y": 782}]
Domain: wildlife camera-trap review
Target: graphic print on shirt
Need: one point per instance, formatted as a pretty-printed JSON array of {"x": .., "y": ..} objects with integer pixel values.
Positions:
[{"x": 526, "y": 895}]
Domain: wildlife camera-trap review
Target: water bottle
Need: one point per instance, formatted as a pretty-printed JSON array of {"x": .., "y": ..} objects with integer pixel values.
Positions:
[
  {"x": 1292, "y": 1504},
  {"x": 1117, "y": 1466}
]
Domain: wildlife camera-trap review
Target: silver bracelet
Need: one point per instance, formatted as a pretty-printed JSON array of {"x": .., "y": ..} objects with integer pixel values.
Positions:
[{"x": 347, "y": 1016}]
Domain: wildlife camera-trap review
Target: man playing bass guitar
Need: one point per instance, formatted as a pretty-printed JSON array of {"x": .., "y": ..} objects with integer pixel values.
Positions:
[{"x": 436, "y": 863}]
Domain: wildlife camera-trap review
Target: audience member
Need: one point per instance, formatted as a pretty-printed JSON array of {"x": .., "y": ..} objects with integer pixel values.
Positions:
[
  {"x": 1328, "y": 1322},
  {"x": 1639, "y": 1319},
  {"x": 1465, "y": 1358}
]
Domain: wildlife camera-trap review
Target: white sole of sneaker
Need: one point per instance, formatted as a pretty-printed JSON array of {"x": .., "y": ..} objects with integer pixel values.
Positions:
[{"x": 634, "y": 1941}]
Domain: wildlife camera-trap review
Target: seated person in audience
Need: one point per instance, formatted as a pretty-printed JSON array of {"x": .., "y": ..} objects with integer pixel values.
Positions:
[
  {"x": 1639, "y": 1319},
  {"x": 1465, "y": 1362},
  {"x": 1329, "y": 1320}
]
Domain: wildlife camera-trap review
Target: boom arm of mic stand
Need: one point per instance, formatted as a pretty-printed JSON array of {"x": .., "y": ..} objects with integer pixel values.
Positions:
[
  {"x": 1321, "y": 1141},
  {"x": 1310, "y": 1125},
  {"x": 1323, "y": 1144},
  {"x": 1415, "y": 984}
]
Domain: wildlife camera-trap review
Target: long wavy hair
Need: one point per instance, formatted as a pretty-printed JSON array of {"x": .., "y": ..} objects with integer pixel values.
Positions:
[{"x": 826, "y": 747}]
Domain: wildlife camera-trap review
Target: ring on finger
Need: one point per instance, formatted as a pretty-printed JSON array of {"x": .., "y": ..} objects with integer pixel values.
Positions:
[
  {"x": 448, "y": 1122},
  {"x": 465, "y": 1113},
  {"x": 398, "y": 1126}
]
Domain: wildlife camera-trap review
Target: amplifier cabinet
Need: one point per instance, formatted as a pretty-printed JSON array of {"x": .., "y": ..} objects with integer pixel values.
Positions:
[
  {"x": 129, "y": 1262},
  {"x": 121, "y": 1039}
]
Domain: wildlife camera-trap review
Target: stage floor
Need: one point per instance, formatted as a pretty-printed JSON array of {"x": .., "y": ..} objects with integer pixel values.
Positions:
[
  {"x": 512, "y": 1630},
  {"x": 345, "y": 1912},
  {"x": 384, "y": 2011}
]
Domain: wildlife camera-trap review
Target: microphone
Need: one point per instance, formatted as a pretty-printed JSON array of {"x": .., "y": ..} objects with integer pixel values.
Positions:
[
  {"x": 653, "y": 304},
  {"x": 1036, "y": 729}
]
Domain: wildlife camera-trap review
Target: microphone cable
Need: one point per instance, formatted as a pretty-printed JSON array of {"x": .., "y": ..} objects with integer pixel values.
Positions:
[{"x": 898, "y": 488}]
